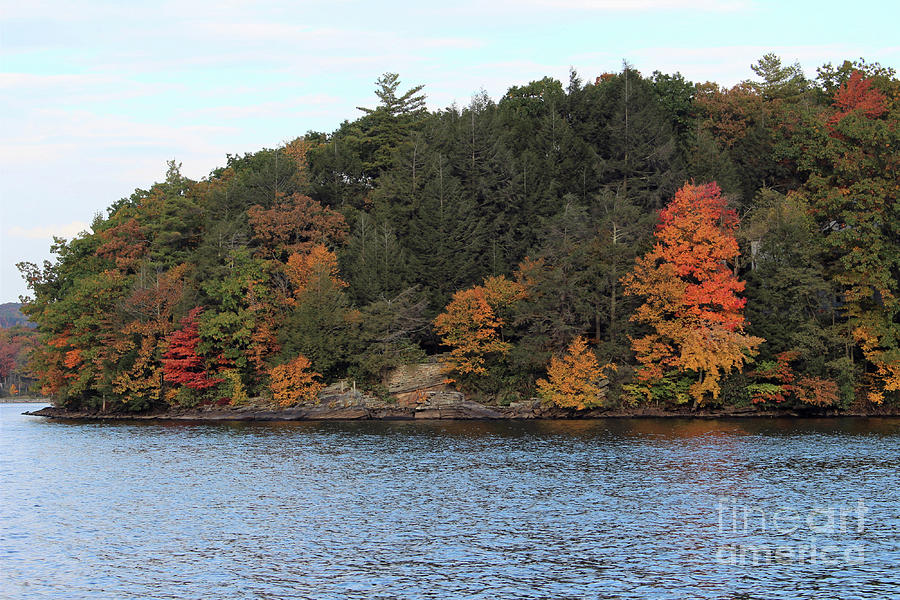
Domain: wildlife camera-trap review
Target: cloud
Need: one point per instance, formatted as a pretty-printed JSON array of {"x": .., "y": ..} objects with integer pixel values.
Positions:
[
  {"x": 299, "y": 104},
  {"x": 27, "y": 92},
  {"x": 261, "y": 32},
  {"x": 41, "y": 232},
  {"x": 15, "y": 81},
  {"x": 637, "y": 5},
  {"x": 54, "y": 127}
]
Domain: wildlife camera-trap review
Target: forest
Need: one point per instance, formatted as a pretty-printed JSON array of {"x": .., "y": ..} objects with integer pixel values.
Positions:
[
  {"x": 17, "y": 339},
  {"x": 679, "y": 243}
]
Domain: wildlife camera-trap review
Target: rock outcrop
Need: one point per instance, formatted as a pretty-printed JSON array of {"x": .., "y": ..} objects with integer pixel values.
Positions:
[{"x": 411, "y": 384}]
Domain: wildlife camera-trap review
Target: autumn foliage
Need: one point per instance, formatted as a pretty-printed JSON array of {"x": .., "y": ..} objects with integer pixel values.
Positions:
[
  {"x": 294, "y": 225},
  {"x": 573, "y": 380},
  {"x": 308, "y": 270},
  {"x": 857, "y": 95},
  {"x": 124, "y": 244},
  {"x": 776, "y": 384},
  {"x": 16, "y": 343},
  {"x": 181, "y": 363},
  {"x": 396, "y": 236},
  {"x": 471, "y": 324},
  {"x": 295, "y": 383},
  {"x": 690, "y": 293},
  {"x": 855, "y": 186}
]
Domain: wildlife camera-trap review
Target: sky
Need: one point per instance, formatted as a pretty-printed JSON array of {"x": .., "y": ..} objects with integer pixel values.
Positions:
[{"x": 96, "y": 96}]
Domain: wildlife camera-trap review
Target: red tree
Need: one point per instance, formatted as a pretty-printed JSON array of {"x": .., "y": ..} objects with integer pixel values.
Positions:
[
  {"x": 690, "y": 294},
  {"x": 857, "y": 95},
  {"x": 181, "y": 363}
]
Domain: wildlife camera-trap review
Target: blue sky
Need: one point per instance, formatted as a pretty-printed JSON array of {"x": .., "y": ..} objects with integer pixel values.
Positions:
[{"x": 96, "y": 96}]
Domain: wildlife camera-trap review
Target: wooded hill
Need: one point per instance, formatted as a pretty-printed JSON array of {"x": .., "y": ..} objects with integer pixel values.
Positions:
[{"x": 572, "y": 224}]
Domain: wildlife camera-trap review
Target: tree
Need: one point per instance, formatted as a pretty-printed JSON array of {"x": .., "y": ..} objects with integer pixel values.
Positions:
[
  {"x": 561, "y": 289},
  {"x": 690, "y": 294},
  {"x": 294, "y": 383},
  {"x": 243, "y": 310},
  {"x": 831, "y": 78},
  {"x": 621, "y": 234},
  {"x": 374, "y": 262},
  {"x": 778, "y": 81},
  {"x": 445, "y": 205},
  {"x": 410, "y": 102},
  {"x": 744, "y": 134},
  {"x": 387, "y": 335},
  {"x": 320, "y": 323},
  {"x": 636, "y": 143},
  {"x": 854, "y": 166},
  {"x": 294, "y": 225},
  {"x": 676, "y": 96},
  {"x": 471, "y": 324},
  {"x": 169, "y": 216},
  {"x": 790, "y": 300},
  {"x": 124, "y": 244},
  {"x": 181, "y": 363},
  {"x": 16, "y": 344},
  {"x": 138, "y": 383},
  {"x": 384, "y": 127},
  {"x": 573, "y": 380},
  {"x": 308, "y": 272},
  {"x": 775, "y": 383}
]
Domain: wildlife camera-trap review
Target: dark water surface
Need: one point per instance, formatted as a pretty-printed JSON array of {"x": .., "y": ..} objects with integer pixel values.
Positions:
[{"x": 598, "y": 509}]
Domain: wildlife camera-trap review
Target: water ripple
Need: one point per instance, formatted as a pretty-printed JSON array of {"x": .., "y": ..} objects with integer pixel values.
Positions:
[{"x": 601, "y": 509}]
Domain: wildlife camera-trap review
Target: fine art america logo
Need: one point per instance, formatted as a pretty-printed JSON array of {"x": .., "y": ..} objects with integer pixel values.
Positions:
[{"x": 820, "y": 535}]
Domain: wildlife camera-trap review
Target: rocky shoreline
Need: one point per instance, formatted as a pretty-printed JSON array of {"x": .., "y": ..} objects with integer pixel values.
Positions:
[
  {"x": 352, "y": 406},
  {"x": 421, "y": 392}
]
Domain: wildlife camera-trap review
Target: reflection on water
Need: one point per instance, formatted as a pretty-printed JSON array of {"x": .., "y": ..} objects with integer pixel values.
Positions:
[{"x": 580, "y": 509}]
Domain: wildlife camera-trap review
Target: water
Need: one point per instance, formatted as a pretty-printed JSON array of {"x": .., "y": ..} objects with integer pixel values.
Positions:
[{"x": 599, "y": 509}]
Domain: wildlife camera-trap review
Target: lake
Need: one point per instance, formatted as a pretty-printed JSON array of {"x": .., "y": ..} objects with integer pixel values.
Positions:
[{"x": 654, "y": 508}]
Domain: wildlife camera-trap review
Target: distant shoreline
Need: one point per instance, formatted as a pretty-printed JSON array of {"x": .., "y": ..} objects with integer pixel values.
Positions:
[
  {"x": 25, "y": 401},
  {"x": 467, "y": 410}
]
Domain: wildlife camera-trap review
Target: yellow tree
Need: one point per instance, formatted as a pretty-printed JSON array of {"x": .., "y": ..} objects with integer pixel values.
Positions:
[
  {"x": 573, "y": 381},
  {"x": 690, "y": 294}
]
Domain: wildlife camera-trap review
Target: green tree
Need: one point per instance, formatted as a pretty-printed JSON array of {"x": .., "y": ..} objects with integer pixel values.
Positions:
[
  {"x": 790, "y": 301},
  {"x": 854, "y": 167},
  {"x": 778, "y": 81}
]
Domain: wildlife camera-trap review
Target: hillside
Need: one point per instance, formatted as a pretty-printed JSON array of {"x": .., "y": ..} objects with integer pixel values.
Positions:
[
  {"x": 11, "y": 315},
  {"x": 631, "y": 240}
]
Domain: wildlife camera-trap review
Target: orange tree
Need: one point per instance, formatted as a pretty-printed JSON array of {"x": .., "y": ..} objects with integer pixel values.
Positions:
[
  {"x": 472, "y": 323},
  {"x": 294, "y": 225},
  {"x": 319, "y": 323},
  {"x": 294, "y": 383},
  {"x": 691, "y": 303},
  {"x": 573, "y": 380}
]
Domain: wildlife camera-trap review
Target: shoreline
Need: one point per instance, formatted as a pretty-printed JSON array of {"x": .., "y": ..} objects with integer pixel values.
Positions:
[
  {"x": 461, "y": 411},
  {"x": 24, "y": 401}
]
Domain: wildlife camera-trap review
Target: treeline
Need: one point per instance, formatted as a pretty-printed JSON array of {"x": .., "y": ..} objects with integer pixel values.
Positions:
[
  {"x": 17, "y": 339},
  {"x": 533, "y": 238}
]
